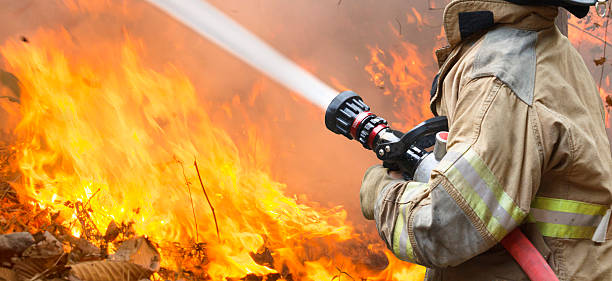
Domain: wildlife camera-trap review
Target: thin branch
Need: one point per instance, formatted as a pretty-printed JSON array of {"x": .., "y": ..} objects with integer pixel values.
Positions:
[
  {"x": 84, "y": 207},
  {"x": 604, "y": 50},
  {"x": 89, "y": 199},
  {"x": 400, "y": 26},
  {"x": 195, "y": 163},
  {"x": 340, "y": 272},
  {"x": 188, "y": 184}
]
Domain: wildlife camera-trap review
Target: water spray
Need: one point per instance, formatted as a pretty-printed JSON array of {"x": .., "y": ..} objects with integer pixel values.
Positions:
[{"x": 211, "y": 23}]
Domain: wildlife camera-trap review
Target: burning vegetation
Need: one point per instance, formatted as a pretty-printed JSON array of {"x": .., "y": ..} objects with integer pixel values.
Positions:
[
  {"x": 106, "y": 157},
  {"x": 112, "y": 168}
]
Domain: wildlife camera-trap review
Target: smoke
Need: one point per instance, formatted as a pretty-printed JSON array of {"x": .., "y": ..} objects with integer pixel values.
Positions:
[{"x": 329, "y": 38}]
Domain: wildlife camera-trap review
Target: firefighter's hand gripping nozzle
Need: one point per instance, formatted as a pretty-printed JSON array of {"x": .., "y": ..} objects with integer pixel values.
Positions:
[{"x": 409, "y": 152}]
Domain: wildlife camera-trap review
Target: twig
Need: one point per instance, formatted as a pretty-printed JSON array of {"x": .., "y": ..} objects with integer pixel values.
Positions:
[
  {"x": 340, "y": 272},
  {"x": 195, "y": 163},
  {"x": 604, "y": 50},
  {"x": 84, "y": 207},
  {"x": 89, "y": 200},
  {"x": 400, "y": 26},
  {"x": 188, "y": 184}
]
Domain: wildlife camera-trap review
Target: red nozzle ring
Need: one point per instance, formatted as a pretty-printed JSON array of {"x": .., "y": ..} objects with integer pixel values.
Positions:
[
  {"x": 374, "y": 133},
  {"x": 358, "y": 120}
]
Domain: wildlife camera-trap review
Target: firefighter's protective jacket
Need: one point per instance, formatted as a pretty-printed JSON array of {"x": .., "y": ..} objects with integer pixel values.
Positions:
[{"x": 527, "y": 148}]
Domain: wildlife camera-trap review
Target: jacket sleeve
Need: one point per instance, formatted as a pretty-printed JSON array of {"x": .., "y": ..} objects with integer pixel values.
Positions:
[{"x": 480, "y": 191}]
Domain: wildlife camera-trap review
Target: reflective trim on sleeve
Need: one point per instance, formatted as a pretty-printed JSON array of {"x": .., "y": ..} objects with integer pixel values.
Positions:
[
  {"x": 484, "y": 194},
  {"x": 402, "y": 247},
  {"x": 565, "y": 231},
  {"x": 391, "y": 215},
  {"x": 562, "y": 218},
  {"x": 442, "y": 233},
  {"x": 401, "y": 244}
]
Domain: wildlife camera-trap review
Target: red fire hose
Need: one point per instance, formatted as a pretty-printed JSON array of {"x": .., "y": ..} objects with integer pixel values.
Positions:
[{"x": 528, "y": 257}]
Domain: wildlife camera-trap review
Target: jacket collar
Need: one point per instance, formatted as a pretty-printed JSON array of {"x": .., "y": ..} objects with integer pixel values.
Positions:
[{"x": 463, "y": 18}]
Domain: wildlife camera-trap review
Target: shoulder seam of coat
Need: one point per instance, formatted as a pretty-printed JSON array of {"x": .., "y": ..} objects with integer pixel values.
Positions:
[{"x": 510, "y": 55}]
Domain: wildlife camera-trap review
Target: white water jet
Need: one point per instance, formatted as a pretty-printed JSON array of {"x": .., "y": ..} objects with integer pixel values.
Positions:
[{"x": 211, "y": 23}]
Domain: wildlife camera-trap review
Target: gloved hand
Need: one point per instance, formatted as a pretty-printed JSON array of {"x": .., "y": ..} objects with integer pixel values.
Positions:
[{"x": 374, "y": 180}]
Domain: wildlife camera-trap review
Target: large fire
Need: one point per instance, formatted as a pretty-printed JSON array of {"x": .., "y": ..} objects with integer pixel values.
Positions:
[
  {"x": 103, "y": 137},
  {"x": 120, "y": 139}
]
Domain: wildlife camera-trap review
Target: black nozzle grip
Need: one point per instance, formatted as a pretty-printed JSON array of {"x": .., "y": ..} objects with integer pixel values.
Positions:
[{"x": 342, "y": 111}]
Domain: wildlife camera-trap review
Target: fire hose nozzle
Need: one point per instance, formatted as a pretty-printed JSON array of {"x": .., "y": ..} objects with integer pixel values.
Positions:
[
  {"x": 349, "y": 116},
  {"x": 341, "y": 112}
]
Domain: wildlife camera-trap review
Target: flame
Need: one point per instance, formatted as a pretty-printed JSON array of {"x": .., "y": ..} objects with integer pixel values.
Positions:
[
  {"x": 417, "y": 15},
  {"x": 400, "y": 74},
  {"x": 588, "y": 36},
  {"x": 105, "y": 132}
]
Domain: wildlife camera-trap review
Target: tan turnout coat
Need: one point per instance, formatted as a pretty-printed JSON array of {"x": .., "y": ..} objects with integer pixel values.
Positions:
[{"x": 527, "y": 148}]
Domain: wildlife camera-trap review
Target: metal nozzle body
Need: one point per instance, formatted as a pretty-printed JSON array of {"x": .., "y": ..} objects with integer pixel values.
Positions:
[{"x": 349, "y": 116}]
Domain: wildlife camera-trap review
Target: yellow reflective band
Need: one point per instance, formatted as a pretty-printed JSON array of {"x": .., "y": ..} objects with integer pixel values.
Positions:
[
  {"x": 484, "y": 194},
  {"x": 565, "y": 231},
  {"x": 402, "y": 247},
  {"x": 568, "y": 206},
  {"x": 503, "y": 198},
  {"x": 561, "y": 218},
  {"x": 477, "y": 204},
  {"x": 397, "y": 231}
]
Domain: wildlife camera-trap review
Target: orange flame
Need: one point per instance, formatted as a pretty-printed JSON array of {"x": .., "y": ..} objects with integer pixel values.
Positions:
[
  {"x": 401, "y": 74},
  {"x": 116, "y": 135},
  {"x": 588, "y": 35}
]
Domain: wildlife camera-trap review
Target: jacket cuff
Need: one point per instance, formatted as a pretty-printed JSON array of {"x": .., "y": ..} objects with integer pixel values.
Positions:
[{"x": 394, "y": 199}]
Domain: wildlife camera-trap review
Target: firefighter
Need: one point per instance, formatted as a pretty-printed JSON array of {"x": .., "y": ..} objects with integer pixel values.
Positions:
[{"x": 527, "y": 147}]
